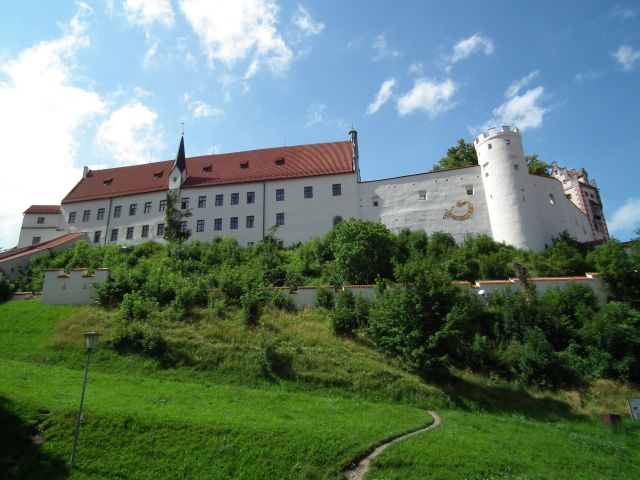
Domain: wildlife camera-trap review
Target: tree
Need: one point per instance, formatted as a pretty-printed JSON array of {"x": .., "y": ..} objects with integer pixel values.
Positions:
[
  {"x": 174, "y": 218},
  {"x": 362, "y": 251},
  {"x": 537, "y": 166},
  {"x": 461, "y": 155}
]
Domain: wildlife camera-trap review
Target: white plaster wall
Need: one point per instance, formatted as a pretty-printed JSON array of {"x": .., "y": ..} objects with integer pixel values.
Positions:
[
  {"x": 400, "y": 206},
  {"x": 50, "y": 229},
  {"x": 514, "y": 218},
  {"x": 305, "y": 297},
  {"x": 76, "y": 288}
]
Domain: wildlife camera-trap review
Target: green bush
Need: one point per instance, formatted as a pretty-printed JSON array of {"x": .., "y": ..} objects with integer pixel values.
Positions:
[
  {"x": 324, "y": 298},
  {"x": 137, "y": 337},
  {"x": 5, "y": 291},
  {"x": 135, "y": 308},
  {"x": 343, "y": 317},
  {"x": 251, "y": 303},
  {"x": 281, "y": 301},
  {"x": 273, "y": 359},
  {"x": 361, "y": 311}
]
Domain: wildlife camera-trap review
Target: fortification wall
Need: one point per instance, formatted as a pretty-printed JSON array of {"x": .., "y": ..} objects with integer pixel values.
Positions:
[{"x": 73, "y": 288}]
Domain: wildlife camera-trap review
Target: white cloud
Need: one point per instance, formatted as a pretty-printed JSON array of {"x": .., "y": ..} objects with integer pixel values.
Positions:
[
  {"x": 624, "y": 12},
  {"x": 382, "y": 49},
  {"x": 416, "y": 68},
  {"x": 519, "y": 84},
  {"x": 626, "y": 217},
  {"x": 152, "y": 49},
  {"x": 44, "y": 107},
  {"x": 302, "y": 19},
  {"x": 240, "y": 30},
  {"x": 130, "y": 134},
  {"x": 585, "y": 78},
  {"x": 430, "y": 96},
  {"x": 382, "y": 97},
  {"x": 626, "y": 57},
  {"x": 468, "y": 46},
  {"x": 200, "y": 109},
  {"x": 315, "y": 114},
  {"x": 147, "y": 12},
  {"x": 520, "y": 110}
]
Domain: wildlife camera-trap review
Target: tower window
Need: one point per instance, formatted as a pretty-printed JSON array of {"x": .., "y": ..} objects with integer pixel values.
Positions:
[
  {"x": 469, "y": 189},
  {"x": 489, "y": 146},
  {"x": 40, "y": 220},
  {"x": 422, "y": 195},
  {"x": 552, "y": 199}
]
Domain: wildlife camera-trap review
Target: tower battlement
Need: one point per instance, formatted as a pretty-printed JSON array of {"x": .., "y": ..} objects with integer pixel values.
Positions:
[{"x": 492, "y": 132}]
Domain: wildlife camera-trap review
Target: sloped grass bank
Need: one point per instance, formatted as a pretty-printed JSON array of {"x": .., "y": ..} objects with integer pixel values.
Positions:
[{"x": 513, "y": 446}]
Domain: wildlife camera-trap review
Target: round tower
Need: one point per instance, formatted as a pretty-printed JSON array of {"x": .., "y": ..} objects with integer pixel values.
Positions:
[{"x": 510, "y": 199}]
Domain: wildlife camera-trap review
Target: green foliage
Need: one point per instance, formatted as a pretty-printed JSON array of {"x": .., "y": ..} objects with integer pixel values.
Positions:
[
  {"x": 537, "y": 166},
  {"x": 274, "y": 359},
  {"x": 362, "y": 251},
  {"x": 621, "y": 270},
  {"x": 251, "y": 303},
  {"x": 5, "y": 291},
  {"x": 461, "y": 155},
  {"x": 361, "y": 311},
  {"x": 343, "y": 317},
  {"x": 565, "y": 256},
  {"x": 281, "y": 301},
  {"x": 324, "y": 298},
  {"x": 174, "y": 215},
  {"x": 136, "y": 308},
  {"x": 137, "y": 337}
]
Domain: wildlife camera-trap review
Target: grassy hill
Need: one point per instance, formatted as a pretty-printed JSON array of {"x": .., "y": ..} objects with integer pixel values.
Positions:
[{"x": 284, "y": 400}]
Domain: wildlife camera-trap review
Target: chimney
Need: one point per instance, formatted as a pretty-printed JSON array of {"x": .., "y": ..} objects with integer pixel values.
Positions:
[{"x": 356, "y": 156}]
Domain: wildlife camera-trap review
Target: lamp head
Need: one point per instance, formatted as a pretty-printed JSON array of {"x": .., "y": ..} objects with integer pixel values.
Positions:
[{"x": 91, "y": 340}]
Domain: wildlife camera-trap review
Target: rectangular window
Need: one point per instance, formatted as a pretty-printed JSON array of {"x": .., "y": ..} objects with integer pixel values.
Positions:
[
  {"x": 96, "y": 236},
  {"x": 72, "y": 217},
  {"x": 162, "y": 206},
  {"x": 251, "y": 197},
  {"x": 200, "y": 226},
  {"x": 249, "y": 244},
  {"x": 35, "y": 241},
  {"x": 147, "y": 207},
  {"x": 145, "y": 231},
  {"x": 40, "y": 220},
  {"x": 234, "y": 223},
  {"x": 132, "y": 209},
  {"x": 183, "y": 227},
  {"x": 250, "y": 221},
  {"x": 160, "y": 230},
  {"x": 279, "y": 194},
  {"x": 422, "y": 195},
  {"x": 129, "y": 233},
  {"x": 219, "y": 200},
  {"x": 100, "y": 215},
  {"x": 117, "y": 211},
  {"x": 114, "y": 234},
  {"x": 184, "y": 203},
  {"x": 202, "y": 201},
  {"x": 235, "y": 198},
  {"x": 336, "y": 189},
  {"x": 217, "y": 224},
  {"x": 279, "y": 218},
  {"x": 552, "y": 199},
  {"x": 308, "y": 192},
  {"x": 86, "y": 215},
  {"x": 469, "y": 189}
]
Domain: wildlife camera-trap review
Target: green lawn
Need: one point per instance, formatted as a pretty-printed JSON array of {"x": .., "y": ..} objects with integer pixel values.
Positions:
[{"x": 144, "y": 427}]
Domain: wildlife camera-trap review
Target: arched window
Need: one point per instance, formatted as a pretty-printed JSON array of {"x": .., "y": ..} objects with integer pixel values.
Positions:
[{"x": 336, "y": 221}]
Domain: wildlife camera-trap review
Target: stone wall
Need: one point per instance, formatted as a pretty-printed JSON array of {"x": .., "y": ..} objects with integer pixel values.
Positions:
[{"x": 75, "y": 287}]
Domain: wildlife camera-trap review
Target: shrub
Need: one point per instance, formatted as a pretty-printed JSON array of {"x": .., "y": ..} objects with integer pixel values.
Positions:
[
  {"x": 361, "y": 311},
  {"x": 230, "y": 282},
  {"x": 135, "y": 307},
  {"x": 343, "y": 317},
  {"x": 251, "y": 302},
  {"x": 281, "y": 301},
  {"x": 273, "y": 360},
  {"x": 5, "y": 291},
  {"x": 137, "y": 337},
  {"x": 324, "y": 298}
]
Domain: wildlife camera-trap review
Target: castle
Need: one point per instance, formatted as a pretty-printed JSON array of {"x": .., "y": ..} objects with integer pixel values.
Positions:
[{"x": 305, "y": 191}]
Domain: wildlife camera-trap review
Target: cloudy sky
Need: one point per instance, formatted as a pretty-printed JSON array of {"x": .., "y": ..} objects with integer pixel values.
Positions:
[{"x": 109, "y": 83}]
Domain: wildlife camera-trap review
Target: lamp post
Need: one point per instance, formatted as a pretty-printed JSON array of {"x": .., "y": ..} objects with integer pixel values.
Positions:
[{"x": 90, "y": 340}]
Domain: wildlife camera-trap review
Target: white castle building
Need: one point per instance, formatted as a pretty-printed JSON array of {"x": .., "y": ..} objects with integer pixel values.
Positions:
[{"x": 306, "y": 190}]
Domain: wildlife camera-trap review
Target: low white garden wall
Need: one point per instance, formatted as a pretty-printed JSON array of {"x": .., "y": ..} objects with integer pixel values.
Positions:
[{"x": 73, "y": 288}]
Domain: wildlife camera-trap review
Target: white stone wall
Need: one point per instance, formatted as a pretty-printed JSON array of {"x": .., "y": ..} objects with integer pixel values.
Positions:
[
  {"x": 74, "y": 288},
  {"x": 48, "y": 230},
  {"x": 429, "y": 202},
  {"x": 305, "y": 297}
]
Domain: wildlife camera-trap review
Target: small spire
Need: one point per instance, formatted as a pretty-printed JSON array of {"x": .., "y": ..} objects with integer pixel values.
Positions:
[{"x": 180, "y": 157}]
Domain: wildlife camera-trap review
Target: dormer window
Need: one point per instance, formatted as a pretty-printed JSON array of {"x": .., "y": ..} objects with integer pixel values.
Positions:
[
  {"x": 244, "y": 165},
  {"x": 108, "y": 181},
  {"x": 280, "y": 161},
  {"x": 157, "y": 174},
  {"x": 206, "y": 169}
]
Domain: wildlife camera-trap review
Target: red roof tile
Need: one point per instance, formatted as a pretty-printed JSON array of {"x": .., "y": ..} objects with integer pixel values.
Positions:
[
  {"x": 226, "y": 168},
  {"x": 33, "y": 249},
  {"x": 44, "y": 209}
]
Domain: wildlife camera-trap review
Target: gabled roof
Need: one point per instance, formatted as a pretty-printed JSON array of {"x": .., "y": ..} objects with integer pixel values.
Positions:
[
  {"x": 43, "y": 209},
  {"x": 220, "y": 169},
  {"x": 33, "y": 249}
]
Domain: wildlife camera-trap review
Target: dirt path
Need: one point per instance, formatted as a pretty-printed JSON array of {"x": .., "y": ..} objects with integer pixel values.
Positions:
[{"x": 360, "y": 470}]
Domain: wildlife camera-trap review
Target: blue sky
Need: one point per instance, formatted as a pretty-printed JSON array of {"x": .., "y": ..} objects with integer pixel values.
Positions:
[{"x": 108, "y": 83}]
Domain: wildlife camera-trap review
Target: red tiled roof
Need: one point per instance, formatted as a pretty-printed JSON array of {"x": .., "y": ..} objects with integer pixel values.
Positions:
[
  {"x": 44, "y": 209},
  {"x": 33, "y": 249},
  {"x": 221, "y": 169}
]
